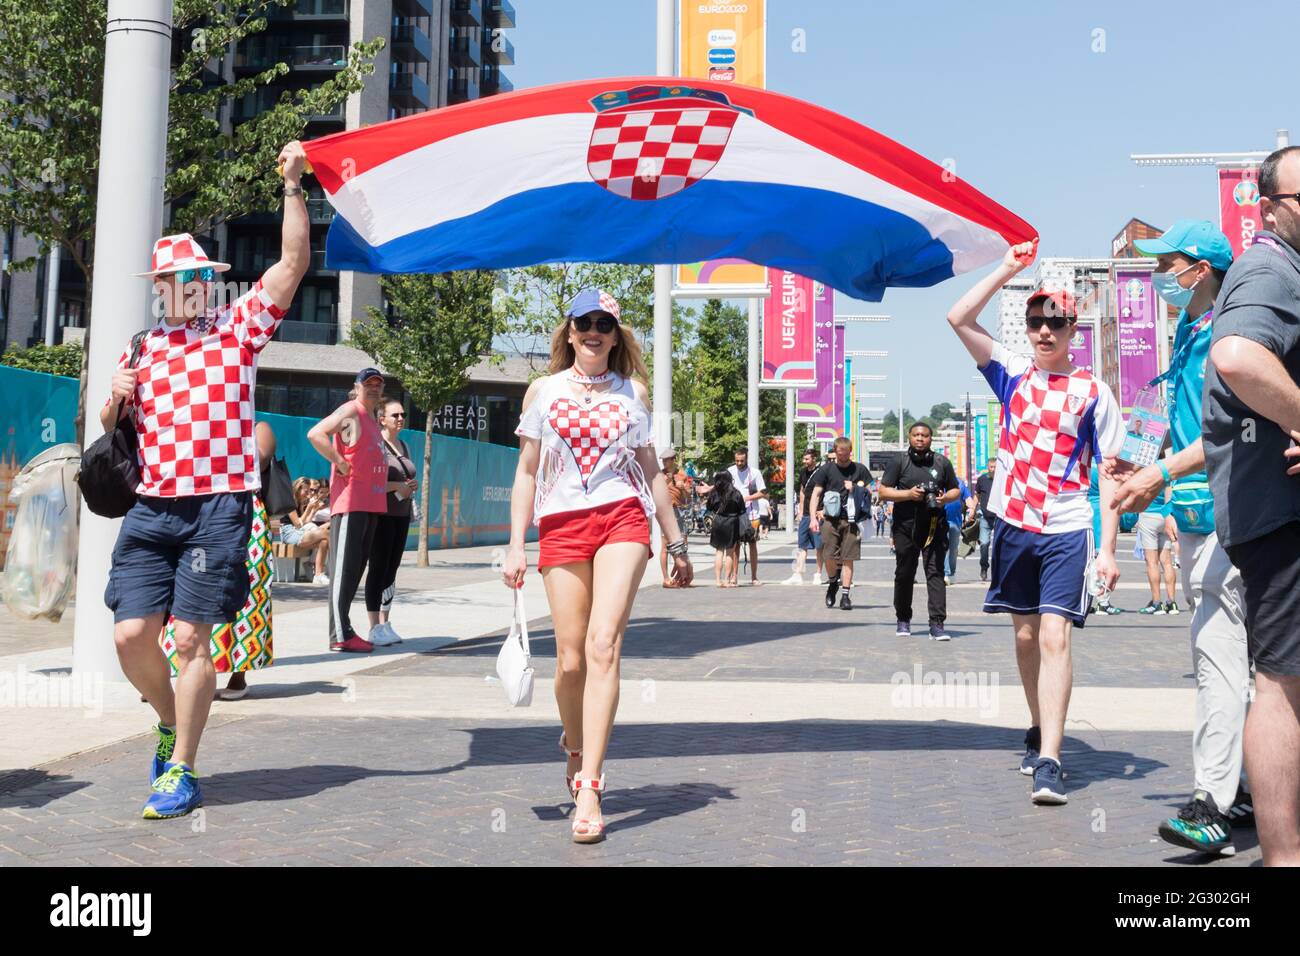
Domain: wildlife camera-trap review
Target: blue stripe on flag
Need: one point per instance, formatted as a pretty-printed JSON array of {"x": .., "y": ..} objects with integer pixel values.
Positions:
[{"x": 850, "y": 245}]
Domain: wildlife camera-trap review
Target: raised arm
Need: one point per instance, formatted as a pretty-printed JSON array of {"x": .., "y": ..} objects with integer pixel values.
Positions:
[
  {"x": 282, "y": 279},
  {"x": 964, "y": 315}
]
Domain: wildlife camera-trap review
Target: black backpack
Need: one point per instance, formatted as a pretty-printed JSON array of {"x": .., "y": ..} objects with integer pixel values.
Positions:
[{"x": 109, "y": 473}]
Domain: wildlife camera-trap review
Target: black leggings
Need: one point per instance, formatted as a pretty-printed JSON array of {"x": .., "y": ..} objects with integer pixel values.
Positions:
[
  {"x": 385, "y": 557},
  {"x": 351, "y": 534}
]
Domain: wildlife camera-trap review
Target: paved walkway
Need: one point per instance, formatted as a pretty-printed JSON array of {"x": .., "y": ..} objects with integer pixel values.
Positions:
[{"x": 755, "y": 726}]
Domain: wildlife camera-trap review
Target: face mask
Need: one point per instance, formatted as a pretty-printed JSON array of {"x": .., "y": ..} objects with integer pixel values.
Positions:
[{"x": 1167, "y": 287}]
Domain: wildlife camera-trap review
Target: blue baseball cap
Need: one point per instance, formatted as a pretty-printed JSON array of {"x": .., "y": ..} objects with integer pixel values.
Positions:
[
  {"x": 1195, "y": 238},
  {"x": 593, "y": 300},
  {"x": 366, "y": 373}
]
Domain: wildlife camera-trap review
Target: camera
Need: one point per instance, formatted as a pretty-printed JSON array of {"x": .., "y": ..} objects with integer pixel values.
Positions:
[{"x": 932, "y": 493}]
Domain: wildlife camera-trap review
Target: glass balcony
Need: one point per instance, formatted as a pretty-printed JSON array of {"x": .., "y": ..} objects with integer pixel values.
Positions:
[
  {"x": 498, "y": 49},
  {"x": 413, "y": 8},
  {"x": 409, "y": 90},
  {"x": 498, "y": 13},
  {"x": 320, "y": 10},
  {"x": 315, "y": 57},
  {"x": 467, "y": 13},
  {"x": 318, "y": 264},
  {"x": 308, "y": 333},
  {"x": 320, "y": 211},
  {"x": 494, "y": 81},
  {"x": 411, "y": 44},
  {"x": 465, "y": 52}
]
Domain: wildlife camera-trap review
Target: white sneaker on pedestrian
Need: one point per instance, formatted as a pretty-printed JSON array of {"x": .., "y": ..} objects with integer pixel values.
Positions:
[
  {"x": 382, "y": 636},
  {"x": 388, "y": 629},
  {"x": 795, "y": 578},
  {"x": 817, "y": 579},
  {"x": 321, "y": 579}
]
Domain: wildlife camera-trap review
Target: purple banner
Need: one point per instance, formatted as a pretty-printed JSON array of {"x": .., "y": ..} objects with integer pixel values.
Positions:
[
  {"x": 1139, "y": 358},
  {"x": 817, "y": 402},
  {"x": 1081, "y": 354},
  {"x": 834, "y": 429}
]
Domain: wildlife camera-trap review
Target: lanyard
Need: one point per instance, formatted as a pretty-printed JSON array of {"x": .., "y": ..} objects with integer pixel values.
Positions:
[{"x": 1180, "y": 357}]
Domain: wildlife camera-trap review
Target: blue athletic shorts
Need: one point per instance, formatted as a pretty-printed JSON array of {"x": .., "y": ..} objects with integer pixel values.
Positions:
[
  {"x": 807, "y": 540},
  {"x": 183, "y": 555},
  {"x": 1039, "y": 573}
]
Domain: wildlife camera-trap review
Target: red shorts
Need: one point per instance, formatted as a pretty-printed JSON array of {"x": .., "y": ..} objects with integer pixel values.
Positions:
[{"x": 578, "y": 535}]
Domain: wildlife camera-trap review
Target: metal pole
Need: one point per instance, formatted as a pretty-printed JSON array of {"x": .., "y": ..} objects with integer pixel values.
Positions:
[
  {"x": 790, "y": 459},
  {"x": 128, "y": 211},
  {"x": 52, "y": 292},
  {"x": 970, "y": 440},
  {"x": 753, "y": 384},
  {"x": 902, "y": 442},
  {"x": 663, "y": 313}
]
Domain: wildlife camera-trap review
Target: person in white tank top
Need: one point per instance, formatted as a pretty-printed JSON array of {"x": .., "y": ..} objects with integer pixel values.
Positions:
[{"x": 589, "y": 478}]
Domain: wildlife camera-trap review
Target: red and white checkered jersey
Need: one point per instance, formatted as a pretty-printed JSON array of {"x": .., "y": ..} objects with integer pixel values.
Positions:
[
  {"x": 588, "y": 449},
  {"x": 193, "y": 402},
  {"x": 1053, "y": 426}
]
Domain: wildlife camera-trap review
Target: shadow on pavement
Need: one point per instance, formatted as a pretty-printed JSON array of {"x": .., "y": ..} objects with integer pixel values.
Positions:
[
  {"x": 32, "y": 789},
  {"x": 648, "y": 804}
]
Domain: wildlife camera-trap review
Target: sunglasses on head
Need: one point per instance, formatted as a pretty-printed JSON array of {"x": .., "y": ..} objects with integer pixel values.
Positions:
[
  {"x": 1054, "y": 322},
  {"x": 188, "y": 275},
  {"x": 604, "y": 323}
]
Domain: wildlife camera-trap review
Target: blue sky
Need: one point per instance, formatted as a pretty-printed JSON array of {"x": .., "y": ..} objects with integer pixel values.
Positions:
[{"x": 1014, "y": 93}]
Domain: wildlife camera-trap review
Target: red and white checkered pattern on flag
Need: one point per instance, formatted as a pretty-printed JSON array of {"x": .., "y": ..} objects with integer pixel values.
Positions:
[
  {"x": 193, "y": 403},
  {"x": 589, "y": 431},
  {"x": 650, "y": 154},
  {"x": 1054, "y": 426},
  {"x": 174, "y": 253}
]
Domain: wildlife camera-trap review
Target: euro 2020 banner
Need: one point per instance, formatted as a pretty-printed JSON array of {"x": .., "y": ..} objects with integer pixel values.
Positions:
[
  {"x": 789, "y": 340},
  {"x": 816, "y": 403}
]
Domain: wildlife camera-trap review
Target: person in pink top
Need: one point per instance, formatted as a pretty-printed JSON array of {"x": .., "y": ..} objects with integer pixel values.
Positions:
[{"x": 350, "y": 440}]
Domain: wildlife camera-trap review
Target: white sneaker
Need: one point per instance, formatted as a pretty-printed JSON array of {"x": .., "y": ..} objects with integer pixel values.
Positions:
[
  {"x": 817, "y": 579},
  {"x": 382, "y": 636},
  {"x": 388, "y": 629},
  {"x": 322, "y": 579},
  {"x": 795, "y": 578}
]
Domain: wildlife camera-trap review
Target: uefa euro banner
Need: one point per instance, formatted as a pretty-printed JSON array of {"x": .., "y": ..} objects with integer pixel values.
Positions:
[
  {"x": 816, "y": 403},
  {"x": 651, "y": 170},
  {"x": 789, "y": 339},
  {"x": 1239, "y": 214}
]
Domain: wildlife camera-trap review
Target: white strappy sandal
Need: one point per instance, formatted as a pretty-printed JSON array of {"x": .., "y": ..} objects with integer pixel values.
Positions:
[
  {"x": 569, "y": 755},
  {"x": 584, "y": 830}
]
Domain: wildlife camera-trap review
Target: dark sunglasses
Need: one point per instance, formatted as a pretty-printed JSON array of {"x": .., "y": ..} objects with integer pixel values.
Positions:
[
  {"x": 398, "y": 415},
  {"x": 604, "y": 323},
  {"x": 1278, "y": 197},
  {"x": 1054, "y": 322},
  {"x": 188, "y": 275}
]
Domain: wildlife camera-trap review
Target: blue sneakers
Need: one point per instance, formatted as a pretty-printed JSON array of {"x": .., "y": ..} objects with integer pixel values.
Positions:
[
  {"x": 1049, "y": 783},
  {"x": 1033, "y": 743},
  {"x": 163, "y": 753},
  {"x": 904, "y": 629},
  {"x": 1200, "y": 826},
  {"x": 175, "y": 793}
]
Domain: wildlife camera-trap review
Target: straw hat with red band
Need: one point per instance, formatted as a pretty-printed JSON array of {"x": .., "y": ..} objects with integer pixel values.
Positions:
[
  {"x": 176, "y": 253},
  {"x": 1054, "y": 304}
]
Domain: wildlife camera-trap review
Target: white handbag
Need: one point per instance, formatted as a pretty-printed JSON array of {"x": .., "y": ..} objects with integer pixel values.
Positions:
[{"x": 514, "y": 662}]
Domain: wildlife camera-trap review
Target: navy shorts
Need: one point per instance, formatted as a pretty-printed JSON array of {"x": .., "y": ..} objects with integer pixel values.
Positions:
[
  {"x": 807, "y": 540},
  {"x": 183, "y": 555},
  {"x": 1035, "y": 573}
]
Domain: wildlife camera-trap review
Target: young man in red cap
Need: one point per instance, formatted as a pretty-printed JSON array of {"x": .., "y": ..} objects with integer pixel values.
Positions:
[
  {"x": 1055, "y": 420},
  {"x": 182, "y": 547}
]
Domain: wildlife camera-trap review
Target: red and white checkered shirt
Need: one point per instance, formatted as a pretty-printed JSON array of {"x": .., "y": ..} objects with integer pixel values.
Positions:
[
  {"x": 1054, "y": 426},
  {"x": 193, "y": 402}
]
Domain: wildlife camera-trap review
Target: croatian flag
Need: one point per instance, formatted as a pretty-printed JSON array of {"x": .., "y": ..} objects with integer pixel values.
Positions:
[{"x": 652, "y": 170}]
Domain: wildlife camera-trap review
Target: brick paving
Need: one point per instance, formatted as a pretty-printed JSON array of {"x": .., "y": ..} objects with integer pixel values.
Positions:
[{"x": 282, "y": 789}]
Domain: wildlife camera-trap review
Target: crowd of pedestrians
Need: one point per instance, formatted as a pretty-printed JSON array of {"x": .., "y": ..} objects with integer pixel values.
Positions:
[{"x": 189, "y": 584}]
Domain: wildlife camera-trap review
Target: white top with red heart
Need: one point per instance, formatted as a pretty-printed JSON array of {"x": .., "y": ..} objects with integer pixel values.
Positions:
[{"x": 588, "y": 450}]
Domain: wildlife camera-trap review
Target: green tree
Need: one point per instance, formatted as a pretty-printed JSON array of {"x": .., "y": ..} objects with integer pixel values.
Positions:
[
  {"x": 443, "y": 325},
  {"x": 62, "y": 359},
  {"x": 52, "y": 75}
]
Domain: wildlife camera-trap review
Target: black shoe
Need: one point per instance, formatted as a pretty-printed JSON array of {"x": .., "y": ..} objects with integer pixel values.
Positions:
[
  {"x": 1242, "y": 811},
  {"x": 845, "y": 603},
  {"x": 1199, "y": 826},
  {"x": 1033, "y": 744},
  {"x": 984, "y": 574},
  {"x": 832, "y": 589}
]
